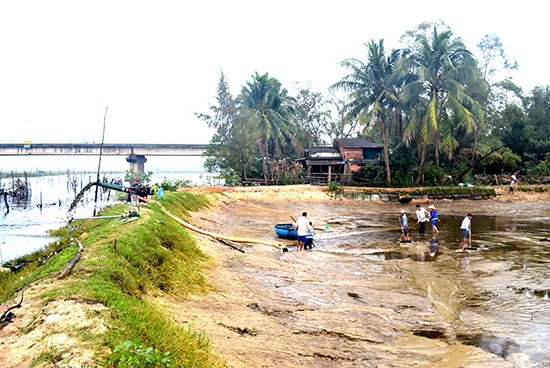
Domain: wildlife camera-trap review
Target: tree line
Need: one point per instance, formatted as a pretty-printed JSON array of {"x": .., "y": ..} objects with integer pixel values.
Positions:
[{"x": 442, "y": 114}]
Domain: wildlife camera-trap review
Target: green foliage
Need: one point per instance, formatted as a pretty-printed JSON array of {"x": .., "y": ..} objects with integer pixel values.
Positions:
[
  {"x": 230, "y": 177},
  {"x": 129, "y": 354},
  {"x": 402, "y": 162},
  {"x": 285, "y": 172},
  {"x": 502, "y": 161},
  {"x": 261, "y": 127},
  {"x": 455, "y": 192},
  {"x": 333, "y": 186},
  {"x": 538, "y": 169},
  {"x": 372, "y": 174},
  {"x": 433, "y": 175},
  {"x": 312, "y": 116},
  {"x": 173, "y": 185},
  {"x": 50, "y": 356},
  {"x": 144, "y": 178}
]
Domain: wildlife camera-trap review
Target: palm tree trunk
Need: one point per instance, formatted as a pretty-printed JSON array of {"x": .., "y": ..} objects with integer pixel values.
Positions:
[
  {"x": 422, "y": 162},
  {"x": 386, "y": 154},
  {"x": 263, "y": 150},
  {"x": 436, "y": 148}
]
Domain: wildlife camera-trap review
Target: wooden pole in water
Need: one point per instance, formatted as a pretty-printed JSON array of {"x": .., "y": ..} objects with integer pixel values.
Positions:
[{"x": 99, "y": 164}]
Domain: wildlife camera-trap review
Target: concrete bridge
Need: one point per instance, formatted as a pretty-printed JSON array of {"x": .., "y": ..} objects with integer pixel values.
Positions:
[{"x": 133, "y": 152}]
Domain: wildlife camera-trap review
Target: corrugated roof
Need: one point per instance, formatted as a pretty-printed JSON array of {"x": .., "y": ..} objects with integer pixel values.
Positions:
[
  {"x": 321, "y": 149},
  {"x": 355, "y": 143}
]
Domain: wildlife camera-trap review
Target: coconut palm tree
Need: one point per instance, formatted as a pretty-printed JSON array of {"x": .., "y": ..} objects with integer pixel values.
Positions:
[
  {"x": 440, "y": 95},
  {"x": 267, "y": 107},
  {"x": 373, "y": 92}
]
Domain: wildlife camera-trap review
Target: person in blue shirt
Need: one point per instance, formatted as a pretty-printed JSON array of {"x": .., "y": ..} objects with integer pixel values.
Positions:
[
  {"x": 434, "y": 218},
  {"x": 404, "y": 226}
]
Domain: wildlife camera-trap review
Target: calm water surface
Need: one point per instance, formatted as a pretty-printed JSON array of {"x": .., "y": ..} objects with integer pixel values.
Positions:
[{"x": 23, "y": 229}]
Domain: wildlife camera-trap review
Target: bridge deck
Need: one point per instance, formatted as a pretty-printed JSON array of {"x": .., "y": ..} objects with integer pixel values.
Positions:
[{"x": 108, "y": 149}]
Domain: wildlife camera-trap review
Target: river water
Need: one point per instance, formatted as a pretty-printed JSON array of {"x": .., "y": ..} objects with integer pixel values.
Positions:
[{"x": 24, "y": 222}]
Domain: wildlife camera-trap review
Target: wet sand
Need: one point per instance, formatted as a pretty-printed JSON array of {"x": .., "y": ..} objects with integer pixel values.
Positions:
[{"x": 335, "y": 306}]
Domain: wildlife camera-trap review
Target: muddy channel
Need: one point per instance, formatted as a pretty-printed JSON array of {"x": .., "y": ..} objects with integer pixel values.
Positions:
[{"x": 362, "y": 299}]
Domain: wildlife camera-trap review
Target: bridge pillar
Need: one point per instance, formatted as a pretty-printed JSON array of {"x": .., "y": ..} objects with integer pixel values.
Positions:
[{"x": 137, "y": 163}]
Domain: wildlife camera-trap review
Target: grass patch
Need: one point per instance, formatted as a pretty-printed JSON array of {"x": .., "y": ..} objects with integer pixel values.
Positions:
[
  {"x": 532, "y": 188},
  {"x": 125, "y": 263}
]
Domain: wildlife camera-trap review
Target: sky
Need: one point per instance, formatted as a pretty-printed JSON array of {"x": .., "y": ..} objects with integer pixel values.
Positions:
[{"x": 141, "y": 69}]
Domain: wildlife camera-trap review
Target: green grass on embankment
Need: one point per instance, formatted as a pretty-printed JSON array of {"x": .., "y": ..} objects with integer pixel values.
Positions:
[{"x": 153, "y": 256}]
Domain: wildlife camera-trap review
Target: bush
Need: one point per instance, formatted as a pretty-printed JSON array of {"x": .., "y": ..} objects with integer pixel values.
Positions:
[{"x": 131, "y": 355}]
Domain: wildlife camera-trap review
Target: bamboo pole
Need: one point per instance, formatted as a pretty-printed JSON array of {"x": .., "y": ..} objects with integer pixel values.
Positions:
[{"x": 223, "y": 237}]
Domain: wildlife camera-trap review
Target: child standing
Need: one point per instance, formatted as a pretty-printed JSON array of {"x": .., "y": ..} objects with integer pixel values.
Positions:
[
  {"x": 404, "y": 226},
  {"x": 309, "y": 237}
]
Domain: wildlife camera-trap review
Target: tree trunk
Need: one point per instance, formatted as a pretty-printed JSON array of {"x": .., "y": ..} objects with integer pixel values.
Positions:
[
  {"x": 436, "y": 148},
  {"x": 422, "y": 162},
  {"x": 263, "y": 150},
  {"x": 386, "y": 154}
]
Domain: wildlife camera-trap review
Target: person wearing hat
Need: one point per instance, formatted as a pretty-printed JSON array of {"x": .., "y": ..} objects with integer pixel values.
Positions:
[
  {"x": 513, "y": 181},
  {"x": 404, "y": 226},
  {"x": 434, "y": 218}
]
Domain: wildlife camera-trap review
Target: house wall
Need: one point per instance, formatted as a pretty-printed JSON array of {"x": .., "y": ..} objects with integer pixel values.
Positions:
[
  {"x": 372, "y": 153},
  {"x": 355, "y": 168},
  {"x": 352, "y": 153}
]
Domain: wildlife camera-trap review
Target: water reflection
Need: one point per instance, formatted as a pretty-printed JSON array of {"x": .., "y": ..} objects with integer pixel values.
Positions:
[
  {"x": 433, "y": 246},
  {"x": 25, "y": 223}
]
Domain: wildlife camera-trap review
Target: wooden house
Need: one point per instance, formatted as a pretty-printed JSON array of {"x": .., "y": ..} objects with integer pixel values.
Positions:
[
  {"x": 356, "y": 152},
  {"x": 339, "y": 162}
]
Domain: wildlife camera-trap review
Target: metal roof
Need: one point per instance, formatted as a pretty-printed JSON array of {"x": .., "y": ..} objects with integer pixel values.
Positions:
[{"x": 355, "y": 143}]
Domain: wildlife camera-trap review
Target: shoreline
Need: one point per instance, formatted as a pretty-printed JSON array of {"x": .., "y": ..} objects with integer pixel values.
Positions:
[{"x": 318, "y": 193}]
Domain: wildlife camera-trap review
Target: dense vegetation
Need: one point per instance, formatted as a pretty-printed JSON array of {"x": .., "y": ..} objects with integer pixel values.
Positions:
[{"x": 441, "y": 113}]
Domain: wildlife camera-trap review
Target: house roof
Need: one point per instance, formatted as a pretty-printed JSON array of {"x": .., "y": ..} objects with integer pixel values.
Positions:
[
  {"x": 320, "y": 149},
  {"x": 355, "y": 143},
  {"x": 323, "y": 153}
]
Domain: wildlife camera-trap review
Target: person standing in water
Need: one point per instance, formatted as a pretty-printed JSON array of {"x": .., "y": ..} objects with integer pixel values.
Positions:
[
  {"x": 466, "y": 228},
  {"x": 422, "y": 217},
  {"x": 434, "y": 218},
  {"x": 404, "y": 226}
]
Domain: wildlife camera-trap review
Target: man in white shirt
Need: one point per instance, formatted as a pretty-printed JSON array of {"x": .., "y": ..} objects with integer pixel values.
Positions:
[
  {"x": 302, "y": 225},
  {"x": 422, "y": 216}
]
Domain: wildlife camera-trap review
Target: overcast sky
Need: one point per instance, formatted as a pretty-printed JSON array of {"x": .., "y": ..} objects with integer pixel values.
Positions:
[{"x": 153, "y": 64}]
